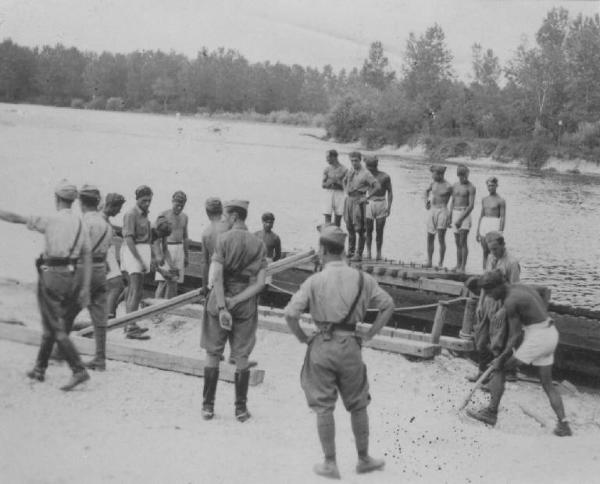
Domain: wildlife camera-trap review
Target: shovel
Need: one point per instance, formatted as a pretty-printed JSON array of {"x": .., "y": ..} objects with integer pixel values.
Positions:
[{"x": 478, "y": 383}]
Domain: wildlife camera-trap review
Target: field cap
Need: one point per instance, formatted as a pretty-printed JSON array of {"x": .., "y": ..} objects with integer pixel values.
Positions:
[
  {"x": 494, "y": 236},
  {"x": 437, "y": 169},
  {"x": 66, "y": 190},
  {"x": 491, "y": 279},
  {"x": 114, "y": 199},
  {"x": 355, "y": 154},
  {"x": 237, "y": 204},
  {"x": 268, "y": 216},
  {"x": 332, "y": 234},
  {"x": 213, "y": 204},
  {"x": 179, "y": 196},
  {"x": 143, "y": 191},
  {"x": 90, "y": 191}
]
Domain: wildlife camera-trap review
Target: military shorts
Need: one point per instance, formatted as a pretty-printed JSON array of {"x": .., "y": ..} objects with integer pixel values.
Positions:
[
  {"x": 354, "y": 213},
  {"x": 333, "y": 366}
]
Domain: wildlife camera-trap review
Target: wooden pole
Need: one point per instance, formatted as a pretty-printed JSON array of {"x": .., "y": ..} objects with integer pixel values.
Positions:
[
  {"x": 466, "y": 332},
  {"x": 438, "y": 322},
  {"x": 478, "y": 383}
]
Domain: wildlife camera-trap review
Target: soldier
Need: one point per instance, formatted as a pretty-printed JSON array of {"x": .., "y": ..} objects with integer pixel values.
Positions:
[
  {"x": 177, "y": 246},
  {"x": 66, "y": 246},
  {"x": 136, "y": 254},
  {"x": 271, "y": 239},
  {"x": 338, "y": 298},
  {"x": 379, "y": 206},
  {"x": 240, "y": 263},
  {"x": 358, "y": 184}
]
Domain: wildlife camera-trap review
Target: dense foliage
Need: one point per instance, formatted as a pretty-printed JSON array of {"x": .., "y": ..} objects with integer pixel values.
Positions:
[{"x": 547, "y": 95}]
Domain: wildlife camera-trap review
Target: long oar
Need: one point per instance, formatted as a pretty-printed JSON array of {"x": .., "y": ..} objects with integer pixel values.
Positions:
[{"x": 478, "y": 383}]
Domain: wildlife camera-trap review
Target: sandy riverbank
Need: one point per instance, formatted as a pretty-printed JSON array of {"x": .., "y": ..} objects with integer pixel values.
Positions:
[{"x": 135, "y": 424}]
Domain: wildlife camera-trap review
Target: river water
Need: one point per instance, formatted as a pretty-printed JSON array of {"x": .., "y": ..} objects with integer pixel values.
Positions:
[{"x": 552, "y": 219}]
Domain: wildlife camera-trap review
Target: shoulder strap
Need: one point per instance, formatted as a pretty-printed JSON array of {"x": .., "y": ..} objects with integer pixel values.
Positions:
[
  {"x": 101, "y": 239},
  {"x": 355, "y": 302},
  {"x": 76, "y": 240}
]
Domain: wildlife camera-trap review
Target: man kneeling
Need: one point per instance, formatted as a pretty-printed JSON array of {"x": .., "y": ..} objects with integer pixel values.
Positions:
[{"x": 526, "y": 311}]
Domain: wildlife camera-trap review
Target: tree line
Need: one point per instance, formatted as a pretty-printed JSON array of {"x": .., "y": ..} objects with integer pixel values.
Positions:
[{"x": 548, "y": 94}]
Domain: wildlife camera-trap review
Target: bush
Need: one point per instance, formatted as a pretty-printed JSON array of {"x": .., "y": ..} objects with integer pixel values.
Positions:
[
  {"x": 152, "y": 106},
  {"x": 115, "y": 104},
  {"x": 77, "y": 103},
  {"x": 347, "y": 119},
  {"x": 536, "y": 154},
  {"x": 97, "y": 102}
]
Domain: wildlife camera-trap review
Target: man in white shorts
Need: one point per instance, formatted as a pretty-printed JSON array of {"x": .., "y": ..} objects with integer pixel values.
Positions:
[
  {"x": 526, "y": 310},
  {"x": 136, "y": 254},
  {"x": 379, "y": 206},
  {"x": 437, "y": 196},
  {"x": 493, "y": 216},
  {"x": 461, "y": 206},
  {"x": 333, "y": 183},
  {"x": 177, "y": 246}
]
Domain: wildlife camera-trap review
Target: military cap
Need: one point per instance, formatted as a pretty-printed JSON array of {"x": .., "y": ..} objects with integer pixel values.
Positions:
[
  {"x": 332, "y": 234},
  {"x": 143, "y": 191},
  {"x": 114, "y": 199},
  {"x": 66, "y": 190},
  {"x": 213, "y": 204},
  {"x": 355, "y": 154},
  {"x": 179, "y": 196},
  {"x": 237, "y": 204},
  {"x": 491, "y": 279},
  {"x": 90, "y": 191},
  {"x": 494, "y": 236},
  {"x": 268, "y": 216}
]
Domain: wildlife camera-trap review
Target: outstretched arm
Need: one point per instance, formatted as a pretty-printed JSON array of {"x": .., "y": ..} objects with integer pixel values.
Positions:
[{"x": 12, "y": 217}]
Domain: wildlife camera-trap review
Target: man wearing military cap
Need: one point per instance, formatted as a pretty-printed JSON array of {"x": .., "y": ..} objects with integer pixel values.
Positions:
[
  {"x": 67, "y": 246},
  {"x": 527, "y": 313},
  {"x": 437, "y": 196},
  {"x": 270, "y": 239},
  {"x": 240, "y": 263},
  {"x": 177, "y": 247},
  {"x": 338, "y": 298}
]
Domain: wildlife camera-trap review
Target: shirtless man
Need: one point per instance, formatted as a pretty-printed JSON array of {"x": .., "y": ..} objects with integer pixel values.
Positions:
[
  {"x": 379, "y": 206},
  {"x": 526, "y": 310},
  {"x": 461, "y": 206},
  {"x": 438, "y": 216},
  {"x": 493, "y": 216},
  {"x": 333, "y": 183}
]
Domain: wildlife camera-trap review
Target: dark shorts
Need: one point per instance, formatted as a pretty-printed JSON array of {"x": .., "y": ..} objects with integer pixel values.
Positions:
[
  {"x": 333, "y": 366},
  {"x": 354, "y": 214}
]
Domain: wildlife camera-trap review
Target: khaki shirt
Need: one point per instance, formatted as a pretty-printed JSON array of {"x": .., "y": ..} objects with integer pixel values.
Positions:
[
  {"x": 330, "y": 293},
  {"x": 179, "y": 223},
  {"x": 60, "y": 231},
  {"x": 100, "y": 232},
  {"x": 240, "y": 252},
  {"x": 507, "y": 264},
  {"x": 359, "y": 182},
  {"x": 137, "y": 226}
]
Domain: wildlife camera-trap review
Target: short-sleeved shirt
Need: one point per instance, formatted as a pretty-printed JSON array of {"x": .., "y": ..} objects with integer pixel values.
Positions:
[
  {"x": 385, "y": 183},
  {"x": 179, "y": 226},
  {"x": 330, "y": 293},
  {"x": 60, "y": 234},
  {"x": 272, "y": 243},
  {"x": 240, "y": 252},
  {"x": 335, "y": 174},
  {"x": 507, "y": 264},
  {"x": 137, "y": 225},
  {"x": 359, "y": 181},
  {"x": 210, "y": 236},
  {"x": 100, "y": 232}
]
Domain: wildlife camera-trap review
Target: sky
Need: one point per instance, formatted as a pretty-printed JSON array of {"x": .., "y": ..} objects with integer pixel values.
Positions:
[{"x": 306, "y": 32}]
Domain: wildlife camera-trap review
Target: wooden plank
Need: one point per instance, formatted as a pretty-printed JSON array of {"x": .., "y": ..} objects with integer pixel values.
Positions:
[{"x": 139, "y": 356}]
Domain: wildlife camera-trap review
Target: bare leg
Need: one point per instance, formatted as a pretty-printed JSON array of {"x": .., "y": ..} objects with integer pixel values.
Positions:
[
  {"x": 160, "y": 290},
  {"x": 496, "y": 387},
  {"x": 171, "y": 289},
  {"x": 458, "y": 251},
  {"x": 351, "y": 240},
  {"x": 463, "y": 234},
  {"x": 338, "y": 220},
  {"x": 327, "y": 218},
  {"x": 430, "y": 247},
  {"x": 379, "y": 227},
  {"x": 486, "y": 252},
  {"x": 442, "y": 241},
  {"x": 369, "y": 236},
  {"x": 134, "y": 294},
  {"x": 553, "y": 395}
]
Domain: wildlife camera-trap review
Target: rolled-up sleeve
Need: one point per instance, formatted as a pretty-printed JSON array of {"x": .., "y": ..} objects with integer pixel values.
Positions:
[
  {"x": 299, "y": 302},
  {"x": 129, "y": 225},
  {"x": 379, "y": 298},
  {"x": 38, "y": 224}
]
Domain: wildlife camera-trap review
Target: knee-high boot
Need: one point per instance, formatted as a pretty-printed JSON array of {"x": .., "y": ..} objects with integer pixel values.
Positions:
[
  {"x": 242, "y": 379},
  {"x": 99, "y": 360},
  {"x": 211, "y": 377}
]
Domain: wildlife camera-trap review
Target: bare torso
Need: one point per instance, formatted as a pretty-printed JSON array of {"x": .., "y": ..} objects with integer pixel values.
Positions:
[
  {"x": 440, "y": 193},
  {"x": 525, "y": 303},
  {"x": 491, "y": 206},
  {"x": 461, "y": 193}
]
